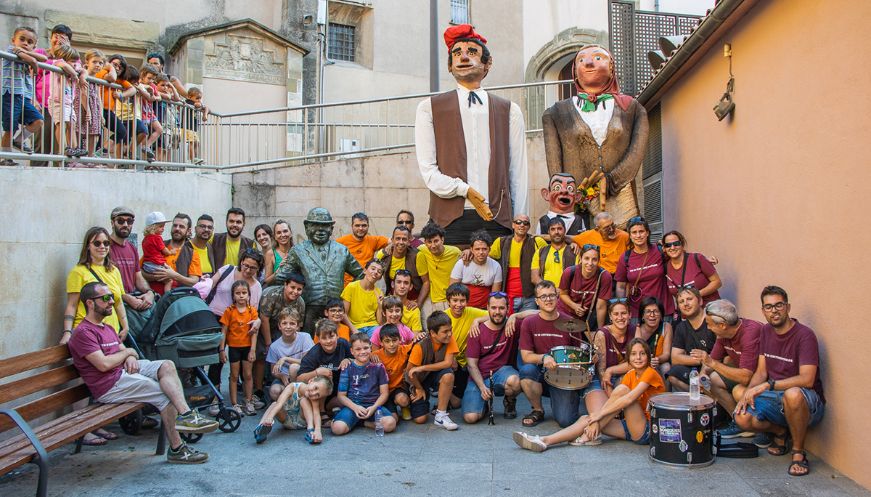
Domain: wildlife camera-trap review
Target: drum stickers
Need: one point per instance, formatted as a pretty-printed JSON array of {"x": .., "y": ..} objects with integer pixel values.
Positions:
[
  {"x": 669, "y": 430},
  {"x": 705, "y": 419}
]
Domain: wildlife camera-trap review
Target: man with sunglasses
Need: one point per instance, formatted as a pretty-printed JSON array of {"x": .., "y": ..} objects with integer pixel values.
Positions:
[
  {"x": 138, "y": 295},
  {"x": 557, "y": 256},
  {"x": 517, "y": 254},
  {"x": 612, "y": 241},
  {"x": 406, "y": 218}
]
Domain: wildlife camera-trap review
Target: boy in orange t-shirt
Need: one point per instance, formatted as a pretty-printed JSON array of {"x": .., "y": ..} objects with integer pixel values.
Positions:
[
  {"x": 335, "y": 312},
  {"x": 430, "y": 367},
  {"x": 236, "y": 326},
  {"x": 394, "y": 357}
]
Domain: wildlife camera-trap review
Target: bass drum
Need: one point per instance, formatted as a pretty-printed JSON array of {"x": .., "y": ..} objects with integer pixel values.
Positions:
[{"x": 682, "y": 430}]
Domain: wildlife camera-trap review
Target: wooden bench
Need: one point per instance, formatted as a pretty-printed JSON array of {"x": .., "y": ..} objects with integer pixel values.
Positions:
[{"x": 61, "y": 386}]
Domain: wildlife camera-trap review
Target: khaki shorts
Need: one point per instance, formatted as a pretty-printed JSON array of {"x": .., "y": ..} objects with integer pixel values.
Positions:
[
  {"x": 191, "y": 136},
  {"x": 139, "y": 387}
]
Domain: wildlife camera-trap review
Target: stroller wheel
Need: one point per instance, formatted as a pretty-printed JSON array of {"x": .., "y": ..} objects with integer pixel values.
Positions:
[
  {"x": 191, "y": 438},
  {"x": 229, "y": 420},
  {"x": 131, "y": 424}
]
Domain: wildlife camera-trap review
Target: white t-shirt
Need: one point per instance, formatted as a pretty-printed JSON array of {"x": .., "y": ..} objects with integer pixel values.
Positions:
[
  {"x": 479, "y": 275},
  {"x": 295, "y": 350}
]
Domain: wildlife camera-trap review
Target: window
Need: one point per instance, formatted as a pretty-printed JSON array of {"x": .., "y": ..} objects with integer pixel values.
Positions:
[
  {"x": 460, "y": 12},
  {"x": 341, "y": 43}
]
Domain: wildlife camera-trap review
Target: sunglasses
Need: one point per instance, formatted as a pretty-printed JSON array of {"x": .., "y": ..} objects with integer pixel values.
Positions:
[
  {"x": 124, "y": 220},
  {"x": 672, "y": 244},
  {"x": 636, "y": 219},
  {"x": 499, "y": 294},
  {"x": 402, "y": 272},
  {"x": 688, "y": 286},
  {"x": 98, "y": 243},
  {"x": 521, "y": 222},
  {"x": 556, "y": 256},
  {"x": 105, "y": 298},
  {"x": 618, "y": 300},
  {"x": 590, "y": 246},
  {"x": 398, "y": 223}
]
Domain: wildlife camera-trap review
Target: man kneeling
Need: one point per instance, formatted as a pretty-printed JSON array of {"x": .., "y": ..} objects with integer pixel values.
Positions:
[{"x": 115, "y": 374}]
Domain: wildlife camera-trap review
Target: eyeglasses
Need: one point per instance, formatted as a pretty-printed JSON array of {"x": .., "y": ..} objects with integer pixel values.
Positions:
[
  {"x": 335, "y": 310},
  {"x": 398, "y": 223},
  {"x": 98, "y": 243},
  {"x": 677, "y": 243},
  {"x": 205, "y": 227},
  {"x": 521, "y": 222},
  {"x": 591, "y": 246},
  {"x": 607, "y": 227},
  {"x": 124, "y": 220},
  {"x": 547, "y": 297},
  {"x": 769, "y": 307},
  {"x": 618, "y": 300},
  {"x": 250, "y": 267},
  {"x": 652, "y": 312},
  {"x": 105, "y": 298}
]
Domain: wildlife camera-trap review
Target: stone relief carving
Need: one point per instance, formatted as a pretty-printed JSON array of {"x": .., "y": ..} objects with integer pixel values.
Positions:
[{"x": 244, "y": 56}]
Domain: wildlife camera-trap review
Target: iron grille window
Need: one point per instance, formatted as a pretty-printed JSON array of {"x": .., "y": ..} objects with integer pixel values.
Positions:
[
  {"x": 341, "y": 43},
  {"x": 460, "y": 12}
]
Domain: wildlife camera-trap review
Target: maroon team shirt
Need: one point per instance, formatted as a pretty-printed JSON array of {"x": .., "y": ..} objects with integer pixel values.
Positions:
[
  {"x": 648, "y": 270},
  {"x": 539, "y": 336},
  {"x": 697, "y": 274},
  {"x": 743, "y": 348},
  {"x": 581, "y": 290},
  {"x": 126, "y": 258},
  {"x": 86, "y": 339},
  {"x": 501, "y": 354},
  {"x": 784, "y": 354}
]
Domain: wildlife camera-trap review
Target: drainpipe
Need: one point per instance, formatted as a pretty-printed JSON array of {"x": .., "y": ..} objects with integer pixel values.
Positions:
[{"x": 433, "y": 45}]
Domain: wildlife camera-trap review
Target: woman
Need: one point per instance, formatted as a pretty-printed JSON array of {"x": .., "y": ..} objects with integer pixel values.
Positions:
[
  {"x": 641, "y": 270},
  {"x": 94, "y": 265},
  {"x": 263, "y": 237},
  {"x": 657, "y": 333},
  {"x": 283, "y": 243},
  {"x": 685, "y": 269},
  {"x": 585, "y": 286},
  {"x": 630, "y": 397},
  {"x": 613, "y": 339}
]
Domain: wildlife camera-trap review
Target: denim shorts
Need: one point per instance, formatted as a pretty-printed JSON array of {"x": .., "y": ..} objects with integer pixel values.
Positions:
[
  {"x": 645, "y": 437},
  {"x": 18, "y": 110},
  {"x": 472, "y": 401},
  {"x": 347, "y": 416},
  {"x": 769, "y": 407}
]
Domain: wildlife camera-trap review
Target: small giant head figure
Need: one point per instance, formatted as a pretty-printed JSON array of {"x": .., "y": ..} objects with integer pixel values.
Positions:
[
  {"x": 319, "y": 225},
  {"x": 594, "y": 71},
  {"x": 563, "y": 194},
  {"x": 469, "y": 60}
]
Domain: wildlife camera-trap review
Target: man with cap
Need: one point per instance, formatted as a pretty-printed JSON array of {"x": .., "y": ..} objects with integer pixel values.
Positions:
[
  {"x": 471, "y": 147},
  {"x": 137, "y": 294},
  {"x": 322, "y": 261}
]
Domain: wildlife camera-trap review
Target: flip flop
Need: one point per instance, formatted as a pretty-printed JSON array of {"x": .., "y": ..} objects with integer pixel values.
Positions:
[{"x": 309, "y": 436}]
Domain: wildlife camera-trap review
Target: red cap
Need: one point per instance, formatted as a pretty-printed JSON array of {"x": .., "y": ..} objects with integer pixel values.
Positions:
[{"x": 461, "y": 31}]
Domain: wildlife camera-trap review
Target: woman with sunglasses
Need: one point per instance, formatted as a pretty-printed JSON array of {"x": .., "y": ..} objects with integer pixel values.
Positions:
[
  {"x": 610, "y": 343},
  {"x": 684, "y": 269},
  {"x": 283, "y": 242},
  {"x": 657, "y": 333},
  {"x": 585, "y": 288},
  {"x": 641, "y": 271}
]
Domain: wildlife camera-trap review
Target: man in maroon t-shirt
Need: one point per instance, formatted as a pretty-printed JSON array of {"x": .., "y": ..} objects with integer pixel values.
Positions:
[
  {"x": 490, "y": 355},
  {"x": 137, "y": 294},
  {"x": 785, "y": 395},
  {"x": 733, "y": 359},
  {"x": 115, "y": 374}
]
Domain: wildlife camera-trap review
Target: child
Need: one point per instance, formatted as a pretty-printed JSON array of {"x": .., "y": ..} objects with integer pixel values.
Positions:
[
  {"x": 328, "y": 358},
  {"x": 335, "y": 312},
  {"x": 394, "y": 357},
  {"x": 361, "y": 298},
  {"x": 94, "y": 62},
  {"x": 150, "y": 98},
  {"x": 167, "y": 114},
  {"x": 154, "y": 252},
  {"x": 391, "y": 309},
  {"x": 363, "y": 389},
  {"x": 235, "y": 326},
  {"x": 429, "y": 366},
  {"x": 129, "y": 111},
  {"x": 297, "y": 400},
  {"x": 286, "y": 353},
  {"x": 191, "y": 123},
  {"x": 17, "y": 107}
]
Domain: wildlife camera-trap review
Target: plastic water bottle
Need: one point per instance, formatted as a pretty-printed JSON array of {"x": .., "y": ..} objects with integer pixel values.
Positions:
[
  {"x": 694, "y": 385},
  {"x": 379, "y": 427}
]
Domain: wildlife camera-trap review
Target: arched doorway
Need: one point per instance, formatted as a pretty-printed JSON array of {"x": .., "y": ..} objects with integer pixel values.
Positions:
[{"x": 567, "y": 90}]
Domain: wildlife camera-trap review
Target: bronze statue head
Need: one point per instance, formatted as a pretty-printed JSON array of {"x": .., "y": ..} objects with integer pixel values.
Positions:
[{"x": 319, "y": 225}]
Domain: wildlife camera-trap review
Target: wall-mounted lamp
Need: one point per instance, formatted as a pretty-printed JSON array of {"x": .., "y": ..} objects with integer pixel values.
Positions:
[{"x": 726, "y": 105}]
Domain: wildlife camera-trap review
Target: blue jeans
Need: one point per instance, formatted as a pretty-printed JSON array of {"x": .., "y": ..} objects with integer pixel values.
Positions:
[
  {"x": 769, "y": 407},
  {"x": 347, "y": 416},
  {"x": 472, "y": 401},
  {"x": 521, "y": 304},
  {"x": 566, "y": 405}
]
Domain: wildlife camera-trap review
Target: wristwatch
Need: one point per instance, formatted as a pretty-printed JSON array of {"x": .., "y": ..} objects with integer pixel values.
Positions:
[{"x": 771, "y": 384}]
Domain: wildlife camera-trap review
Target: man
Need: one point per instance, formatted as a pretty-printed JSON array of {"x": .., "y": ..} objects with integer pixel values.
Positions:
[
  {"x": 273, "y": 300},
  {"x": 184, "y": 263},
  {"x": 471, "y": 147},
  {"x": 115, "y": 374},
  {"x": 137, "y": 294},
  {"x": 434, "y": 263},
  {"x": 401, "y": 256},
  {"x": 322, "y": 262},
  {"x": 201, "y": 246},
  {"x": 360, "y": 243},
  {"x": 785, "y": 395},
  {"x": 490, "y": 356},
  {"x": 558, "y": 256},
  {"x": 521, "y": 269},
  {"x": 691, "y": 338},
  {"x": 481, "y": 274},
  {"x": 561, "y": 196},
  {"x": 406, "y": 218},
  {"x": 612, "y": 241},
  {"x": 230, "y": 245},
  {"x": 538, "y": 335},
  {"x": 734, "y": 358},
  {"x": 462, "y": 317}
]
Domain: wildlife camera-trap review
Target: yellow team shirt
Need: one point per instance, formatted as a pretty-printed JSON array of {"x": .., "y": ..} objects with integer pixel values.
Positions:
[
  {"x": 460, "y": 328},
  {"x": 438, "y": 268},
  {"x": 80, "y": 275},
  {"x": 232, "y": 257},
  {"x": 411, "y": 318},
  {"x": 203, "y": 254},
  {"x": 514, "y": 252},
  {"x": 395, "y": 264},
  {"x": 553, "y": 270},
  {"x": 364, "y": 304}
]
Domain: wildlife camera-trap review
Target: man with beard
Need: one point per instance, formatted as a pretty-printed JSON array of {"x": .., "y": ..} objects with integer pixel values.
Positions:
[
  {"x": 230, "y": 245},
  {"x": 184, "y": 264},
  {"x": 558, "y": 256},
  {"x": 360, "y": 243},
  {"x": 490, "y": 355},
  {"x": 691, "y": 337},
  {"x": 561, "y": 197},
  {"x": 137, "y": 294},
  {"x": 401, "y": 255},
  {"x": 521, "y": 270},
  {"x": 200, "y": 243}
]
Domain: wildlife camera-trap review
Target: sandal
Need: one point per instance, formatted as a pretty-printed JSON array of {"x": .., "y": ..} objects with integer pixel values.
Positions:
[
  {"x": 326, "y": 421},
  {"x": 103, "y": 433},
  {"x": 777, "y": 449},
  {"x": 510, "y": 405},
  {"x": 94, "y": 441},
  {"x": 801, "y": 463},
  {"x": 533, "y": 418},
  {"x": 309, "y": 436}
]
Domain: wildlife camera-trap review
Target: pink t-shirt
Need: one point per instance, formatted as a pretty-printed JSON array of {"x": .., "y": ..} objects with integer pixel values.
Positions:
[
  {"x": 696, "y": 273},
  {"x": 647, "y": 272},
  {"x": 224, "y": 296},
  {"x": 152, "y": 249},
  {"x": 743, "y": 348},
  {"x": 539, "y": 336},
  {"x": 581, "y": 290},
  {"x": 502, "y": 353},
  {"x": 784, "y": 354},
  {"x": 126, "y": 258},
  {"x": 88, "y": 338},
  {"x": 405, "y": 335}
]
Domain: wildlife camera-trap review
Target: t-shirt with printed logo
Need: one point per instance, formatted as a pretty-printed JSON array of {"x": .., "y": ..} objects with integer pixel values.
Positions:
[
  {"x": 317, "y": 358},
  {"x": 491, "y": 355},
  {"x": 784, "y": 354},
  {"x": 539, "y": 335},
  {"x": 363, "y": 383},
  {"x": 646, "y": 272},
  {"x": 581, "y": 290},
  {"x": 86, "y": 339},
  {"x": 743, "y": 348}
]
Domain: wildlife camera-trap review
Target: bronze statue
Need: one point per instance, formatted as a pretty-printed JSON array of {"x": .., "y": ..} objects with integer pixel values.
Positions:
[{"x": 599, "y": 131}]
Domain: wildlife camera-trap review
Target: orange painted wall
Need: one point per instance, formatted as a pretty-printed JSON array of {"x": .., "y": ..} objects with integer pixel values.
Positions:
[{"x": 781, "y": 192}]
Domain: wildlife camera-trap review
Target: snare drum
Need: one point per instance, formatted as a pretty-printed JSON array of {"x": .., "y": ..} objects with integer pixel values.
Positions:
[
  {"x": 574, "y": 367},
  {"x": 682, "y": 430}
]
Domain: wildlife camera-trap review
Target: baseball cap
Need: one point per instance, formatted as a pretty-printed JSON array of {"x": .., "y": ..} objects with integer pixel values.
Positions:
[{"x": 155, "y": 217}]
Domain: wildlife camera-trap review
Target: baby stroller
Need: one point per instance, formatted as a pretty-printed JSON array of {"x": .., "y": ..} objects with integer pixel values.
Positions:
[{"x": 183, "y": 330}]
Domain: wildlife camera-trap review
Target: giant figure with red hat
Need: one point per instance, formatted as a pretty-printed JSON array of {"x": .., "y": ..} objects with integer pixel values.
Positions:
[{"x": 471, "y": 147}]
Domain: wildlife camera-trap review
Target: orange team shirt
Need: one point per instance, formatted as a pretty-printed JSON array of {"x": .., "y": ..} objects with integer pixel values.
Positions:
[
  {"x": 416, "y": 357},
  {"x": 237, "y": 325},
  {"x": 108, "y": 97},
  {"x": 395, "y": 364},
  {"x": 362, "y": 250},
  {"x": 653, "y": 380},
  {"x": 343, "y": 332},
  {"x": 609, "y": 250}
]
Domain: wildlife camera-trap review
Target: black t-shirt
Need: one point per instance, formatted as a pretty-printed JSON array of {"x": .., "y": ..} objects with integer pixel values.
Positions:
[
  {"x": 687, "y": 338},
  {"x": 317, "y": 358}
]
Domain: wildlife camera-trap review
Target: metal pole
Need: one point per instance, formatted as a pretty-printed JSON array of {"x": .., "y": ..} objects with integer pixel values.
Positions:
[{"x": 433, "y": 46}]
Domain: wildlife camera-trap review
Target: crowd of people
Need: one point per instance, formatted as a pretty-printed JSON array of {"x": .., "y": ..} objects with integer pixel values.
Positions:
[
  {"x": 152, "y": 116},
  {"x": 418, "y": 318}
]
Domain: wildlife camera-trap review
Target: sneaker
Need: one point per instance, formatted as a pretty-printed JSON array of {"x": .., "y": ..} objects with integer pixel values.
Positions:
[
  {"x": 529, "y": 442},
  {"x": 258, "y": 404},
  {"x": 762, "y": 440},
  {"x": 261, "y": 432},
  {"x": 192, "y": 422},
  {"x": 732, "y": 430},
  {"x": 248, "y": 409},
  {"x": 22, "y": 145},
  {"x": 444, "y": 420},
  {"x": 406, "y": 413},
  {"x": 214, "y": 409},
  {"x": 149, "y": 155},
  {"x": 238, "y": 408},
  {"x": 186, "y": 455},
  {"x": 8, "y": 162}
]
